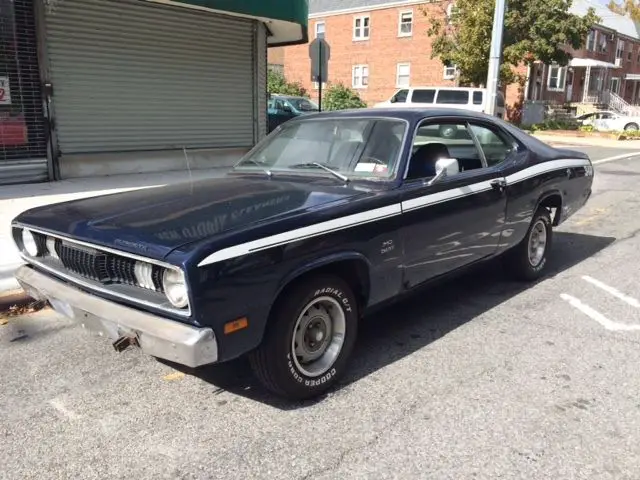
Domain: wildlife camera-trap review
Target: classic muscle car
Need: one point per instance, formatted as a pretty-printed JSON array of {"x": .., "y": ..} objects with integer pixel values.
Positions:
[{"x": 330, "y": 216}]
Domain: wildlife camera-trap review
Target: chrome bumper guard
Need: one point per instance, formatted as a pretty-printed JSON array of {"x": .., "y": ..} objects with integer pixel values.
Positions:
[{"x": 157, "y": 336}]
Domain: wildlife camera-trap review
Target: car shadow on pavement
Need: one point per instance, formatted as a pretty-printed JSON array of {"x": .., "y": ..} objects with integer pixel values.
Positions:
[{"x": 414, "y": 323}]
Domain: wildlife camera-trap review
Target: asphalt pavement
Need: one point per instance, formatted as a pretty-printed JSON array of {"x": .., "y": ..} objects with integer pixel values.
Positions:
[{"x": 480, "y": 378}]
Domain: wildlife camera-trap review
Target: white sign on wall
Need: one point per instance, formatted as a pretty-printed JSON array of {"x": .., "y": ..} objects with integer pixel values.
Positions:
[{"x": 5, "y": 91}]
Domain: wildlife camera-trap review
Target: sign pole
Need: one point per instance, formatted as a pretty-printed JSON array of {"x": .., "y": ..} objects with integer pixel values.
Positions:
[
  {"x": 320, "y": 78},
  {"x": 493, "y": 74}
]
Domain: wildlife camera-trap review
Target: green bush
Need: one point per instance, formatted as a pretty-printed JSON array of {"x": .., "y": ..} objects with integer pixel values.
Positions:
[
  {"x": 340, "y": 97},
  {"x": 277, "y": 83},
  {"x": 551, "y": 124}
]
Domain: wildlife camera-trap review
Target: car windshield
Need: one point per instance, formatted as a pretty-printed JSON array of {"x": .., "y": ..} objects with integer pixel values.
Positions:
[
  {"x": 304, "y": 105},
  {"x": 352, "y": 147}
]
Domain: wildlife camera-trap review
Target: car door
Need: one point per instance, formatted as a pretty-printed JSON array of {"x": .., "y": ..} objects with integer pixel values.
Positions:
[{"x": 459, "y": 219}]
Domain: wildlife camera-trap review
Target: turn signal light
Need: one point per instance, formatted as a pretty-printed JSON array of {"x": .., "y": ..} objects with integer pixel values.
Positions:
[{"x": 239, "y": 324}]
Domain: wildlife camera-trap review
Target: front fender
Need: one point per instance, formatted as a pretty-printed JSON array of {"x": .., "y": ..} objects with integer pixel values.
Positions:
[{"x": 325, "y": 261}]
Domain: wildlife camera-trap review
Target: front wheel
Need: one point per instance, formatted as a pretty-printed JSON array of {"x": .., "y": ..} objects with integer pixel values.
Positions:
[
  {"x": 528, "y": 259},
  {"x": 631, "y": 127},
  {"x": 309, "y": 338}
]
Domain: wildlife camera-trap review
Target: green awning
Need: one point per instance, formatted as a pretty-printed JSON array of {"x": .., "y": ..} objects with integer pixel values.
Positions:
[{"x": 286, "y": 20}]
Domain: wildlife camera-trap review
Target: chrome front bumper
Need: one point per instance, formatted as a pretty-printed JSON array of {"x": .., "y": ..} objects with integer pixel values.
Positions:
[{"x": 157, "y": 336}]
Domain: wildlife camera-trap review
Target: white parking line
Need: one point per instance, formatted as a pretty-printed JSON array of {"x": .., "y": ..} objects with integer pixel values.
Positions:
[
  {"x": 597, "y": 316},
  {"x": 616, "y": 157},
  {"x": 616, "y": 293}
]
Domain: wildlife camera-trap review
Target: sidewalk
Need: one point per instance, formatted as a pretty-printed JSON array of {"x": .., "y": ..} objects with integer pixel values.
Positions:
[
  {"x": 588, "y": 141},
  {"x": 15, "y": 199}
]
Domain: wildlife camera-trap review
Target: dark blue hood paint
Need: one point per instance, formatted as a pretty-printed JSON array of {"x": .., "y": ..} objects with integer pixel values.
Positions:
[{"x": 154, "y": 221}]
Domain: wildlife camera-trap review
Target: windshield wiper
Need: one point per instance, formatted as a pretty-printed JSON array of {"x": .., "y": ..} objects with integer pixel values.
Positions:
[
  {"x": 333, "y": 172},
  {"x": 266, "y": 170}
]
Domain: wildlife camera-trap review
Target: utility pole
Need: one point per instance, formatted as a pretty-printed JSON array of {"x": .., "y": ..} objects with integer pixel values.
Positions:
[{"x": 493, "y": 75}]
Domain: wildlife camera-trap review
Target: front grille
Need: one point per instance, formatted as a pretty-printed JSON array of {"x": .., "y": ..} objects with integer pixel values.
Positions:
[{"x": 104, "y": 267}]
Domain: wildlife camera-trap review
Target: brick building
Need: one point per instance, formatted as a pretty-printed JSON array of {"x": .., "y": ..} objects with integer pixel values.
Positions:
[
  {"x": 378, "y": 46},
  {"x": 605, "y": 72}
]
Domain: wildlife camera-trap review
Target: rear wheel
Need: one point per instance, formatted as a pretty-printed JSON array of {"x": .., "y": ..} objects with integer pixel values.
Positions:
[
  {"x": 528, "y": 259},
  {"x": 631, "y": 127},
  {"x": 309, "y": 339}
]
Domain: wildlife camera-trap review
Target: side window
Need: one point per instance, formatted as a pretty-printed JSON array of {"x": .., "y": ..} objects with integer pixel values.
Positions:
[
  {"x": 423, "y": 96},
  {"x": 400, "y": 97},
  {"x": 495, "y": 148},
  {"x": 455, "y": 97},
  {"x": 279, "y": 104},
  {"x": 477, "y": 98},
  {"x": 434, "y": 141}
]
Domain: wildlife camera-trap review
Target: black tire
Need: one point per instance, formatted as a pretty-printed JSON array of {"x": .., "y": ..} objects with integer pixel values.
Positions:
[
  {"x": 631, "y": 126},
  {"x": 518, "y": 262},
  {"x": 273, "y": 362}
]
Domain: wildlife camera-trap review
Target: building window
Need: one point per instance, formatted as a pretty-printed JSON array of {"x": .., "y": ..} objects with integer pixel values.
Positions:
[
  {"x": 450, "y": 72},
  {"x": 602, "y": 43},
  {"x": 360, "y": 76},
  {"x": 403, "y": 75},
  {"x": 276, "y": 67},
  {"x": 620, "y": 49},
  {"x": 629, "y": 55},
  {"x": 405, "y": 24},
  {"x": 320, "y": 29},
  {"x": 615, "y": 85},
  {"x": 591, "y": 40},
  {"x": 361, "y": 27},
  {"x": 557, "y": 78}
]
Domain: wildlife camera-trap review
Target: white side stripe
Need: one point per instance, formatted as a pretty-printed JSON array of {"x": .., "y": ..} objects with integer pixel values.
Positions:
[
  {"x": 384, "y": 212},
  {"x": 545, "y": 167},
  {"x": 302, "y": 233},
  {"x": 445, "y": 195}
]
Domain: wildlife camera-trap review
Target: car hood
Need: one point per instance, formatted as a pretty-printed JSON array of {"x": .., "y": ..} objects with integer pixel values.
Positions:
[{"x": 154, "y": 221}]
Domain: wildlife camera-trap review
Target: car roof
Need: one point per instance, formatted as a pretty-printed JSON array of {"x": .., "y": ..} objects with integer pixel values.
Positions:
[{"x": 408, "y": 113}]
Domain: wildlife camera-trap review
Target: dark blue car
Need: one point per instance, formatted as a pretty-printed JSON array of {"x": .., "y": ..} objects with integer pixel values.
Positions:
[{"x": 331, "y": 216}]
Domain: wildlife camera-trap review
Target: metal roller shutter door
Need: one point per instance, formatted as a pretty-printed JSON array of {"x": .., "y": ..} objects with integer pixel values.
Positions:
[
  {"x": 23, "y": 135},
  {"x": 130, "y": 75}
]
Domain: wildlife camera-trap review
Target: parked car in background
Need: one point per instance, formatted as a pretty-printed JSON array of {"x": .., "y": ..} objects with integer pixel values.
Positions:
[
  {"x": 332, "y": 216},
  {"x": 468, "y": 98},
  {"x": 281, "y": 108},
  {"x": 590, "y": 118},
  {"x": 616, "y": 122}
]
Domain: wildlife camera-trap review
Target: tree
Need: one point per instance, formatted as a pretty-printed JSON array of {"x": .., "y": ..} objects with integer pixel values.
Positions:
[
  {"x": 533, "y": 30},
  {"x": 626, "y": 7},
  {"x": 277, "y": 83},
  {"x": 340, "y": 97}
]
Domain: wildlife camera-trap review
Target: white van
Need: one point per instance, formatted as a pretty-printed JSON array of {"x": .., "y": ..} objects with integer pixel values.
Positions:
[{"x": 468, "y": 98}]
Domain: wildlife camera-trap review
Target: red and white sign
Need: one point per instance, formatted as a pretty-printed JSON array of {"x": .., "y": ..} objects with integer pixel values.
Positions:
[{"x": 5, "y": 91}]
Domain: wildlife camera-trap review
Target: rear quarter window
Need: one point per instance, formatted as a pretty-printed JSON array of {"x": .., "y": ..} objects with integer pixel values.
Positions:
[
  {"x": 477, "y": 98},
  {"x": 458, "y": 97}
]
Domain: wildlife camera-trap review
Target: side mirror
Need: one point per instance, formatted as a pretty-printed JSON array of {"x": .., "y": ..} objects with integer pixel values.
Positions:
[{"x": 444, "y": 168}]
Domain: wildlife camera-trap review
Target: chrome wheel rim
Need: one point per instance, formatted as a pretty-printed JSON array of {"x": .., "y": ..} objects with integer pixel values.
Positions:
[
  {"x": 318, "y": 336},
  {"x": 537, "y": 243}
]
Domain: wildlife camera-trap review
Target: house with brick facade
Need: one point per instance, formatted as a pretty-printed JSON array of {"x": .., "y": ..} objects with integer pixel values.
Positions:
[
  {"x": 380, "y": 46},
  {"x": 604, "y": 73}
]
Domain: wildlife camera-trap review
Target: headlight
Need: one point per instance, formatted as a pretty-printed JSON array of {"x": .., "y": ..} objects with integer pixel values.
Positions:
[
  {"x": 175, "y": 287},
  {"x": 29, "y": 243}
]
